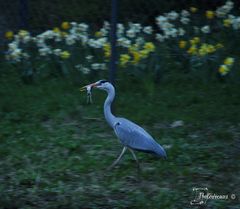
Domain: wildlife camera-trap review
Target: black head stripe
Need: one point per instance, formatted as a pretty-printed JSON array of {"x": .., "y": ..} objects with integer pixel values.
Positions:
[{"x": 103, "y": 81}]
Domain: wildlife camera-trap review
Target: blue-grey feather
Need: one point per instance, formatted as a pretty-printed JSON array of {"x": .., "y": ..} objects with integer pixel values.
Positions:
[{"x": 135, "y": 137}]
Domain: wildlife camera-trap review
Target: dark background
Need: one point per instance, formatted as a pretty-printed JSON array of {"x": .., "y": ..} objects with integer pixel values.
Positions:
[{"x": 38, "y": 15}]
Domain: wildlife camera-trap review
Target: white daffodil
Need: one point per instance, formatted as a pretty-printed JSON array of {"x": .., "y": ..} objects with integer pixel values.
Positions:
[
  {"x": 196, "y": 29},
  {"x": 89, "y": 57},
  {"x": 97, "y": 44},
  {"x": 205, "y": 29},
  {"x": 70, "y": 40},
  {"x": 131, "y": 33},
  {"x": 124, "y": 42},
  {"x": 148, "y": 30},
  {"x": 83, "y": 69},
  {"x": 83, "y": 27},
  {"x": 161, "y": 20},
  {"x": 181, "y": 32},
  {"x": 73, "y": 24},
  {"x": 106, "y": 25},
  {"x": 15, "y": 55},
  {"x": 184, "y": 20},
  {"x": 160, "y": 37},
  {"x": 40, "y": 42},
  {"x": 26, "y": 39},
  {"x": 44, "y": 51},
  {"x": 225, "y": 9},
  {"x": 140, "y": 41},
  {"x": 104, "y": 31},
  {"x": 84, "y": 39},
  {"x": 172, "y": 32},
  {"x": 172, "y": 15},
  {"x": 102, "y": 66},
  {"x": 57, "y": 52},
  {"x": 185, "y": 13},
  {"x": 135, "y": 27},
  {"x": 120, "y": 29},
  {"x": 95, "y": 66},
  {"x": 13, "y": 46},
  {"x": 236, "y": 23}
]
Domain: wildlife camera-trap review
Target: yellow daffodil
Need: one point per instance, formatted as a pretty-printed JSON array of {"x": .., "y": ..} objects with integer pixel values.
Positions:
[
  {"x": 210, "y": 14},
  {"x": 133, "y": 48},
  {"x": 56, "y": 30},
  {"x": 23, "y": 33},
  {"x": 9, "y": 35},
  {"x": 203, "y": 50},
  {"x": 65, "y": 55},
  {"x": 63, "y": 34},
  {"x": 144, "y": 53},
  {"x": 65, "y": 25},
  {"x": 195, "y": 40},
  {"x": 182, "y": 44},
  {"x": 219, "y": 45},
  {"x": 98, "y": 34},
  {"x": 193, "y": 9},
  {"x": 210, "y": 48},
  {"x": 149, "y": 46},
  {"x": 192, "y": 50},
  {"x": 227, "y": 22},
  {"x": 124, "y": 59},
  {"x": 229, "y": 61},
  {"x": 136, "y": 57},
  {"x": 107, "y": 50},
  {"x": 223, "y": 69}
]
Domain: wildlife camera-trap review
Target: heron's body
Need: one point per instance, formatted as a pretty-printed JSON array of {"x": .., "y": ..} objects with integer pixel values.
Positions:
[
  {"x": 133, "y": 136},
  {"x": 130, "y": 134}
]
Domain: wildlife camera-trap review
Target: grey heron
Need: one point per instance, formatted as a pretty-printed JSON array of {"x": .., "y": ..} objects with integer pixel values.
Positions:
[{"x": 131, "y": 135}]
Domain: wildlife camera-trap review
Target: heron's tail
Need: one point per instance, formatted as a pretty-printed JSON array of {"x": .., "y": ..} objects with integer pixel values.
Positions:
[{"x": 160, "y": 152}]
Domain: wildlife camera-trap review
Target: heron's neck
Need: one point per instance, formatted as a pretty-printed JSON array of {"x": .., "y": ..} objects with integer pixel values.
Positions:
[{"x": 107, "y": 107}]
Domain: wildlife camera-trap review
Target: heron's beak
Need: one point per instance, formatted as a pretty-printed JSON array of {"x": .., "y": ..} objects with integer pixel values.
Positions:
[{"x": 87, "y": 86}]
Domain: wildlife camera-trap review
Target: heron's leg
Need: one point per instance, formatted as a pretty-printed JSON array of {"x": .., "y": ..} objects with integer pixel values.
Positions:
[
  {"x": 135, "y": 157},
  {"x": 119, "y": 158}
]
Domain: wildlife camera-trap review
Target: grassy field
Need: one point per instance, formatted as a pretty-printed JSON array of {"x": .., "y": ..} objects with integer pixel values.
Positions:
[{"x": 54, "y": 148}]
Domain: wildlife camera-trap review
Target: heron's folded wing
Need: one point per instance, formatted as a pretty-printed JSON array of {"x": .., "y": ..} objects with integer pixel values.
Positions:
[{"x": 135, "y": 137}]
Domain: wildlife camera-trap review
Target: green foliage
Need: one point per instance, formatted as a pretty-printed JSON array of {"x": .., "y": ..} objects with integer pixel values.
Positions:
[
  {"x": 54, "y": 148},
  {"x": 190, "y": 41}
]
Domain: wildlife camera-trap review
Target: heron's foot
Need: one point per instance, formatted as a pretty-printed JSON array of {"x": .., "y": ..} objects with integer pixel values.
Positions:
[
  {"x": 139, "y": 167},
  {"x": 112, "y": 166},
  {"x": 118, "y": 159},
  {"x": 135, "y": 158}
]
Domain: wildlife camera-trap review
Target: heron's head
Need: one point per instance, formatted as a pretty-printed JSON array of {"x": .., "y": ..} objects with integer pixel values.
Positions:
[{"x": 101, "y": 84}]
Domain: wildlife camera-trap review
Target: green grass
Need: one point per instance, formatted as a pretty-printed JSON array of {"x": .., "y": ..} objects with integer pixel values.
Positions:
[{"x": 54, "y": 148}]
